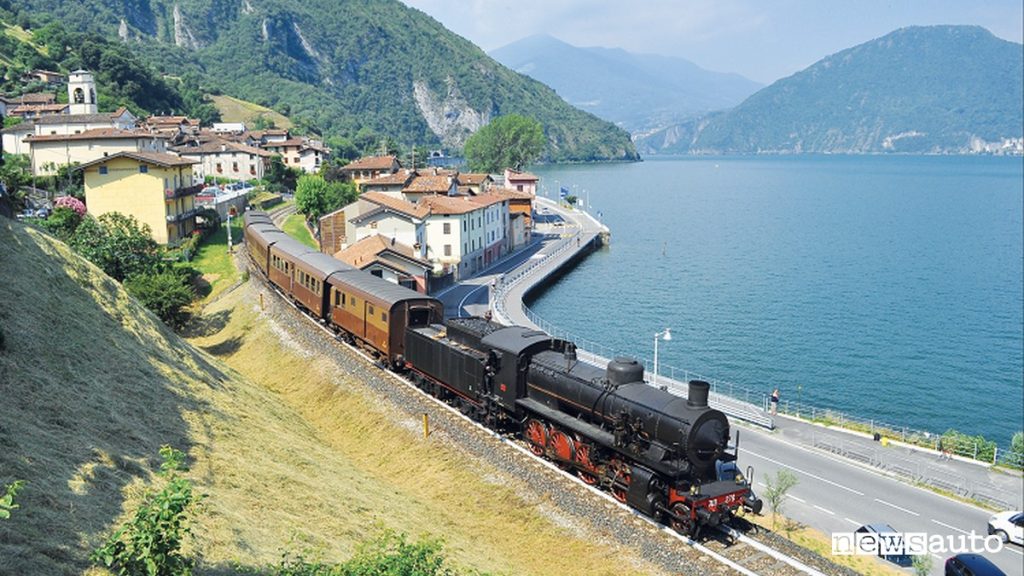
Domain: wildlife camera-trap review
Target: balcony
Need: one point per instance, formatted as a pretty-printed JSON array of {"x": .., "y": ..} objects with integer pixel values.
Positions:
[
  {"x": 183, "y": 191},
  {"x": 172, "y": 218}
]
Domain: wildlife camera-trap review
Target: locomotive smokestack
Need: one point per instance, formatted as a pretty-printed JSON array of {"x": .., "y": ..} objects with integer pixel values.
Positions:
[{"x": 698, "y": 394}]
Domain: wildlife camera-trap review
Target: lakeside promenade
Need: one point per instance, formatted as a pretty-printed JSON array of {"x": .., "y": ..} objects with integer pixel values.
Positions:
[{"x": 773, "y": 443}]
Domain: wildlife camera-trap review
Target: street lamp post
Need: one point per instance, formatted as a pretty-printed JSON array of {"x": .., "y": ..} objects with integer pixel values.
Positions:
[{"x": 665, "y": 335}]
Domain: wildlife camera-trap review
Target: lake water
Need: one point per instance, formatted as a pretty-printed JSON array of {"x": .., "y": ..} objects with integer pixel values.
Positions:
[{"x": 887, "y": 287}]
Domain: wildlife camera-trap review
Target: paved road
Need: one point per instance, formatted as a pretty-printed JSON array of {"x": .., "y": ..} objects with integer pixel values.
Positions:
[{"x": 836, "y": 495}]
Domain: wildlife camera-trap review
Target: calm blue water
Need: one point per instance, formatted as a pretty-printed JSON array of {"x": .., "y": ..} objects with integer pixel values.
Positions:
[{"x": 888, "y": 287}]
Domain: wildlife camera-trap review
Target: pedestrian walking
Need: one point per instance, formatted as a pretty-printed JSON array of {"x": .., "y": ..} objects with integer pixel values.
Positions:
[{"x": 775, "y": 402}]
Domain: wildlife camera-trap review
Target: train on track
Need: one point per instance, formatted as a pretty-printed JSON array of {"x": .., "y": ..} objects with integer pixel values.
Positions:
[{"x": 664, "y": 455}]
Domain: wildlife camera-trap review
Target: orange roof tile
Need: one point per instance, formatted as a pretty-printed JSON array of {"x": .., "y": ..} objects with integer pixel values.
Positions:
[
  {"x": 365, "y": 252},
  {"x": 429, "y": 185},
  {"x": 372, "y": 163},
  {"x": 96, "y": 134},
  {"x": 395, "y": 204}
]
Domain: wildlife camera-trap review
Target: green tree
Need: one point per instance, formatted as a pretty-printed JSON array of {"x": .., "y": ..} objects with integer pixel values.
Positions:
[
  {"x": 150, "y": 542},
  {"x": 166, "y": 293},
  {"x": 315, "y": 196},
  {"x": 279, "y": 176},
  {"x": 14, "y": 172},
  {"x": 511, "y": 141},
  {"x": 117, "y": 244},
  {"x": 775, "y": 491}
]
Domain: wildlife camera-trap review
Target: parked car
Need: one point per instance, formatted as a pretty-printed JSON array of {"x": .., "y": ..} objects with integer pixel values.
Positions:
[
  {"x": 971, "y": 565},
  {"x": 881, "y": 530},
  {"x": 1009, "y": 526}
]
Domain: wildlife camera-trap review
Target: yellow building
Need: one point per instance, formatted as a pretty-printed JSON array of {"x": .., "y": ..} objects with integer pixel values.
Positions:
[
  {"x": 156, "y": 188},
  {"x": 48, "y": 153}
]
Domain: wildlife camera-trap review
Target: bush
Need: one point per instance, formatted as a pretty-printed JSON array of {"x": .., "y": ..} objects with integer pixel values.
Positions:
[
  {"x": 166, "y": 293},
  {"x": 961, "y": 444},
  {"x": 150, "y": 543},
  {"x": 64, "y": 221},
  {"x": 388, "y": 553}
]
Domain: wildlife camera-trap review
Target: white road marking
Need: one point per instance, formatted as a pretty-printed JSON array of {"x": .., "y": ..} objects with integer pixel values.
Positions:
[
  {"x": 796, "y": 498},
  {"x": 854, "y": 522},
  {"x": 1015, "y": 551},
  {"x": 468, "y": 294},
  {"x": 826, "y": 510},
  {"x": 937, "y": 557},
  {"x": 808, "y": 474},
  {"x": 896, "y": 507},
  {"x": 950, "y": 527}
]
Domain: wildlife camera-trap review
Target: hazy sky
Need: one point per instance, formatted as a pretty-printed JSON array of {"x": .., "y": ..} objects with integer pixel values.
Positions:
[{"x": 763, "y": 40}]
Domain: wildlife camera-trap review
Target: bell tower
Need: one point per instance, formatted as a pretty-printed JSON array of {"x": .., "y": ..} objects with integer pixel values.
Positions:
[{"x": 82, "y": 92}]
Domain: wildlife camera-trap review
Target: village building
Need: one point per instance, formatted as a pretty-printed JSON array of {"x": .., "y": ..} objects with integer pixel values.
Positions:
[
  {"x": 430, "y": 184},
  {"x": 521, "y": 181},
  {"x": 390, "y": 184},
  {"x": 156, "y": 188},
  {"x": 58, "y": 124},
  {"x": 28, "y": 111},
  {"x": 225, "y": 159},
  {"x": 389, "y": 259},
  {"x": 370, "y": 167},
  {"x": 300, "y": 153},
  {"x": 13, "y": 137},
  {"x": 49, "y": 152},
  {"x": 465, "y": 234},
  {"x": 473, "y": 183},
  {"x": 228, "y": 127},
  {"x": 45, "y": 76},
  {"x": 8, "y": 103}
]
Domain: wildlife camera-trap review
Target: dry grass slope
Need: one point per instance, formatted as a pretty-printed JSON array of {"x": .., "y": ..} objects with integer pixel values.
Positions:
[
  {"x": 236, "y": 110},
  {"x": 297, "y": 457}
]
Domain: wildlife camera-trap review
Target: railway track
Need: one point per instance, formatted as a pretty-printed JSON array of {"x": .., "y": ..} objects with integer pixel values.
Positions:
[{"x": 727, "y": 552}]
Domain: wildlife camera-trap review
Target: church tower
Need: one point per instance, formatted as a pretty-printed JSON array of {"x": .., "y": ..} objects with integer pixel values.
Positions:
[{"x": 82, "y": 93}]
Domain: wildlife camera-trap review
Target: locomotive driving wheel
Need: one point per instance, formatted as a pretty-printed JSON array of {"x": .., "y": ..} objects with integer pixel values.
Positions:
[
  {"x": 562, "y": 448},
  {"x": 583, "y": 460},
  {"x": 681, "y": 522},
  {"x": 620, "y": 481},
  {"x": 537, "y": 435}
]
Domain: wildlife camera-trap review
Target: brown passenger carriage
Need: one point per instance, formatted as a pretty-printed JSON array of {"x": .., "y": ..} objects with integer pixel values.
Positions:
[{"x": 377, "y": 312}]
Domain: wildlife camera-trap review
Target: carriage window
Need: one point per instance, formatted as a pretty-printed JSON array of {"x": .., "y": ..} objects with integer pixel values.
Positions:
[
  {"x": 384, "y": 316},
  {"x": 369, "y": 310}
]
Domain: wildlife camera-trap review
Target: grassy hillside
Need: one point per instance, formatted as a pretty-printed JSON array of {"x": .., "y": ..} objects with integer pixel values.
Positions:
[
  {"x": 237, "y": 110},
  {"x": 300, "y": 457}
]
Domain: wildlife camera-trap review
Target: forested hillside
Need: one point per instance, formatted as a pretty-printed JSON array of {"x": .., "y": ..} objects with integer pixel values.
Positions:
[
  {"x": 341, "y": 67},
  {"x": 123, "y": 79},
  {"x": 933, "y": 89}
]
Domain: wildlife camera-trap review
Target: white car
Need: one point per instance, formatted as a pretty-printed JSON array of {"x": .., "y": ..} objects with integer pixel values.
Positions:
[{"x": 1009, "y": 526}]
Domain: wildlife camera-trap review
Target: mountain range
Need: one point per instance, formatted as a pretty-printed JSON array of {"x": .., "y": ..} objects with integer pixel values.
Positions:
[
  {"x": 931, "y": 89},
  {"x": 640, "y": 92},
  {"x": 347, "y": 67}
]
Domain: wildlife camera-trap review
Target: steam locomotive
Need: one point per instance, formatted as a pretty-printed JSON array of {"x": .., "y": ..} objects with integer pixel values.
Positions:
[{"x": 655, "y": 451}]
